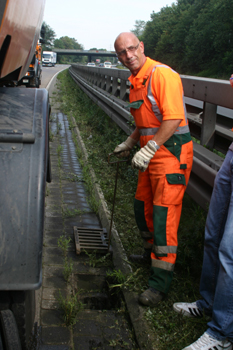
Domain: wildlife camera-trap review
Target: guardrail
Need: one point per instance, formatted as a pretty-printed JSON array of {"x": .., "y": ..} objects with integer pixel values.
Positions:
[{"x": 109, "y": 89}]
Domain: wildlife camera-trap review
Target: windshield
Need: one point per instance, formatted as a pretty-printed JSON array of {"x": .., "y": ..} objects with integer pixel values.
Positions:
[{"x": 46, "y": 55}]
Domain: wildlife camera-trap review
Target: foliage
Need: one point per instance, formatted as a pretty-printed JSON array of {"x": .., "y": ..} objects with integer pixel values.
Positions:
[
  {"x": 70, "y": 307},
  {"x": 63, "y": 243},
  {"x": 68, "y": 268},
  {"x": 134, "y": 281},
  {"x": 95, "y": 49},
  {"x": 193, "y": 36},
  {"x": 49, "y": 37},
  {"x": 139, "y": 27},
  {"x": 66, "y": 42},
  {"x": 94, "y": 260}
]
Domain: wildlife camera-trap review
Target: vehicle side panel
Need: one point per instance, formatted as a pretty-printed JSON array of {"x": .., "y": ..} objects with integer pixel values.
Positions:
[{"x": 20, "y": 29}]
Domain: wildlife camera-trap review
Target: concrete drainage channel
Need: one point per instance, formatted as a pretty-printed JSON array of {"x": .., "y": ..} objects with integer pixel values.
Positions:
[{"x": 75, "y": 286}]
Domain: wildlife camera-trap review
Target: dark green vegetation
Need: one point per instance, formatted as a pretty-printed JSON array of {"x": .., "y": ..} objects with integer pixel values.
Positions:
[
  {"x": 48, "y": 37},
  {"x": 100, "y": 136},
  {"x": 68, "y": 43},
  {"x": 194, "y": 37},
  {"x": 64, "y": 42}
]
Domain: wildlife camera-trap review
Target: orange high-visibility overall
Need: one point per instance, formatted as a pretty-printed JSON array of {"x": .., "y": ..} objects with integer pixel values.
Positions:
[{"x": 156, "y": 94}]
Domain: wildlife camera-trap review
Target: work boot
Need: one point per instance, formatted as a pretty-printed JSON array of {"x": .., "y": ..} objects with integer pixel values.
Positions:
[
  {"x": 151, "y": 297},
  {"x": 144, "y": 258}
]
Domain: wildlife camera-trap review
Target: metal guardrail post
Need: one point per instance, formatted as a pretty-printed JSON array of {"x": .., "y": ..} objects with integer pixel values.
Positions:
[
  {"x": 102, "y": 82},
  {"x": 114, "y": 86},
  {"x": 108, "y": 83},
  {"x": 123, "y": 90},
  {"x": 94, "y": 78},
  {"x": 208, "y": 124}
]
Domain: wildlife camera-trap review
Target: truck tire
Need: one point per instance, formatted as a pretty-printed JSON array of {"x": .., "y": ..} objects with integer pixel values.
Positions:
[
  {"x": 9, "y": 331},
  {"x": 22, "y": 304},
  {"x": 37, "y": 82},
  {"x": 23, "y": 308},
  {"x": 1, "y": 343}
]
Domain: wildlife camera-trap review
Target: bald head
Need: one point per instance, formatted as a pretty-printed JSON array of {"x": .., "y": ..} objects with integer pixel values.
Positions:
[
  {"x": 130, "y": 51},
  {"x": 125, "y": 36}
]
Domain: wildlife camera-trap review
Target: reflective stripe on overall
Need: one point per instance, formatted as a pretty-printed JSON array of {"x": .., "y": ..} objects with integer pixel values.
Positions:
[{"x": 160, "y": 190}]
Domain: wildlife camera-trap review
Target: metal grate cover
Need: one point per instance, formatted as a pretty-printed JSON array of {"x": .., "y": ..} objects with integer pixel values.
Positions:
[{"x": 90, "y": 239}]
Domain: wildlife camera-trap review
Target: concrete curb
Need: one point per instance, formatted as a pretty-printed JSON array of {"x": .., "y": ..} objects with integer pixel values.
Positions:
[{"x": 136, "y": 312}]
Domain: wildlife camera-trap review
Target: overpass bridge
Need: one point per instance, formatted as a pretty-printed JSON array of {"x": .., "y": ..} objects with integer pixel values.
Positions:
[{"x": 91, "y": 54}]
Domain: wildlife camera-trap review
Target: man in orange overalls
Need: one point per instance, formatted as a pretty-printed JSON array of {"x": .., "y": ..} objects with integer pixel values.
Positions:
[{"x": 164, "y": 160}]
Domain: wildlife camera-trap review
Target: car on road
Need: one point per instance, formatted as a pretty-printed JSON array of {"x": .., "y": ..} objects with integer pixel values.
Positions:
[
  {"x": 107, "y": 64},
  {"x": 101, "y": 65},
  {"x": 91, "y": 64}
]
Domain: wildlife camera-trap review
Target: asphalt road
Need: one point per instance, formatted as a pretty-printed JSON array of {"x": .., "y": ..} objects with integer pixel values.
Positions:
[{"x": 48, "y": 73}]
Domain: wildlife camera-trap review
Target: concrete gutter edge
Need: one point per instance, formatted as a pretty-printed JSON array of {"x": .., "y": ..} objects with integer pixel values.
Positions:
[{"x": 136, "y": 312}]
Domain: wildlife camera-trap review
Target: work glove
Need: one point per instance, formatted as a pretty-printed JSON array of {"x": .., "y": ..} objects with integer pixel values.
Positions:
[
  {"x": 123, "y": 150},
  {"x": 142, "y": 158}
]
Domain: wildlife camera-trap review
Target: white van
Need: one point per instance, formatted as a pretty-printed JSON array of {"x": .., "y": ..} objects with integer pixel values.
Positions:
[{"x": 49, "y": 58}]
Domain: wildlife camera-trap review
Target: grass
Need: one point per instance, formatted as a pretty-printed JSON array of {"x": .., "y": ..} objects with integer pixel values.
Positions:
[
  {"x": 63, "y": 243},
  {"x": 68, "y": 268},
  {"x": 94, "y": 260},
  {"x": 70, "y": 213},
  {"x": 70, "y": 306},
  {"x": 101, "y": 136}
]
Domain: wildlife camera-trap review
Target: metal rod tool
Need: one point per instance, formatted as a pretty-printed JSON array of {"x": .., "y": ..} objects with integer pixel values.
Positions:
[{"x": 114, "y": 195}]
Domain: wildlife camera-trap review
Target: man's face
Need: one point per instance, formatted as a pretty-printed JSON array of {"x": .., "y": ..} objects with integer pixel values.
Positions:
[{"x": 130, "y": 52}]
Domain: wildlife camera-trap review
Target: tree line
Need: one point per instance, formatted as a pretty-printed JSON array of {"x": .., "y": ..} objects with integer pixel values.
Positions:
[
  {"x": 65, "y": 42},
  {"x": 194, "y": 37}
]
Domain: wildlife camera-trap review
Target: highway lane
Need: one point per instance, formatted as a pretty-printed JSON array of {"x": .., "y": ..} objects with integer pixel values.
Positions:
[{"x": 48, "y": 73}]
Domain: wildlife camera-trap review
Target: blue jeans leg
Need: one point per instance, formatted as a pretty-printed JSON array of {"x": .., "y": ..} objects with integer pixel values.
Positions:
[{"x": 216, "y": 286}]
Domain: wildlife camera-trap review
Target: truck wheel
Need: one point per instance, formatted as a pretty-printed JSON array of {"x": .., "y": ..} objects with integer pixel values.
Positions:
[
  {"x": 1, "y": 344},
  {"x": 9, "y": 331},
  {"x": 37, "y": 83},
  {"x": 23, "y": 308}
]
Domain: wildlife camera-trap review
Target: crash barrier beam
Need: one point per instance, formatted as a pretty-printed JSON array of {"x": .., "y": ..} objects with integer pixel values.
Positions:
[{"x": 205, "y": 162}]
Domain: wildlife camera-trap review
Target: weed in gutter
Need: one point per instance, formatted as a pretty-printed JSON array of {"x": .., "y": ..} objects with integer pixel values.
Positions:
[{"x": 70, "y": 307}]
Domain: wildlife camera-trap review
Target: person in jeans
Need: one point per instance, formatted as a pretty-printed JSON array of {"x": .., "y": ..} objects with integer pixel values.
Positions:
[{"x": 216, "y": 285}]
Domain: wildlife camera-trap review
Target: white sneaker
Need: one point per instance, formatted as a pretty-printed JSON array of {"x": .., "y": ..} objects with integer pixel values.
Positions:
[
  {"x": 188, "y": 309},
  {"x": 206, "y": 342}
]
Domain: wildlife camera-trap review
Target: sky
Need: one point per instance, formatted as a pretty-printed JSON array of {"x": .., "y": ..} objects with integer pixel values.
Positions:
[{"x": 96, "y": 23}]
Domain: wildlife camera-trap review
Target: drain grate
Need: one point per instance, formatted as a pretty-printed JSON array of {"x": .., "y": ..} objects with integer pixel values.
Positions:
[{"x": 90, "y": 239}]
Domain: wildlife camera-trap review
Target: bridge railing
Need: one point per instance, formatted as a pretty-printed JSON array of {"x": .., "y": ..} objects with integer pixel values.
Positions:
[{"x": 109, "y": 88}]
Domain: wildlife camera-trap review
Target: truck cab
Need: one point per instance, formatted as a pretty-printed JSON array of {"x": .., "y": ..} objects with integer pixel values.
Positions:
[
  {"x": 33, "y": 76},
  {"x": 49, "y": 58}
]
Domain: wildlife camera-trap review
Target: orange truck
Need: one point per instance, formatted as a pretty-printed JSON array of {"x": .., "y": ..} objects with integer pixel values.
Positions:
[
  {"x": 33, "y": 76},
  {"x": 24, "y": 170}
]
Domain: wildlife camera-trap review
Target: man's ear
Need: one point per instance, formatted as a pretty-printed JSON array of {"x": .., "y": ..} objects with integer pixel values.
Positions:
[{"x": 141, "y": 45}]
